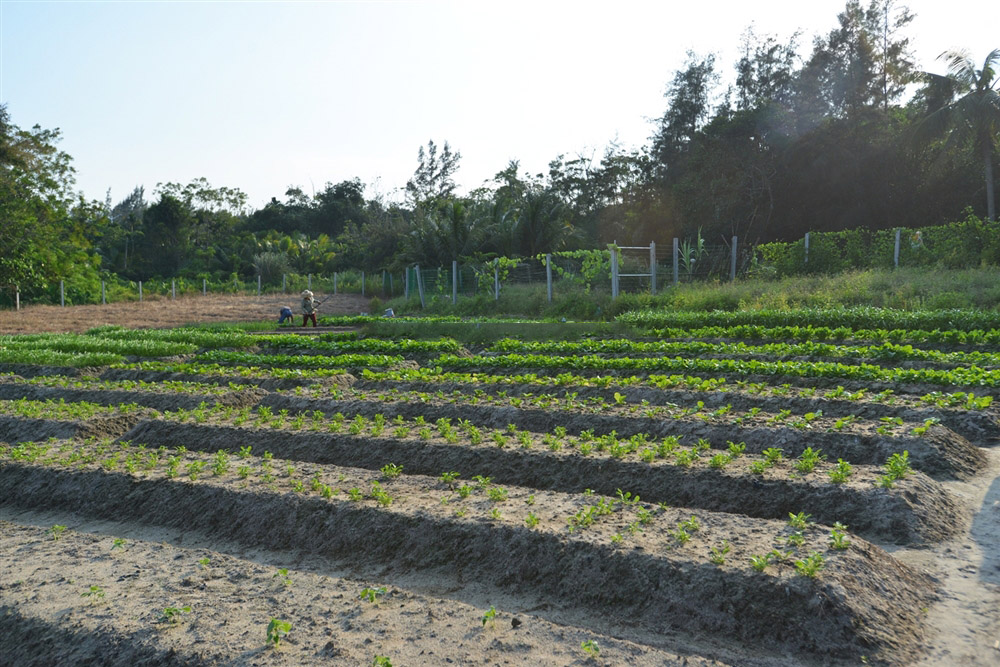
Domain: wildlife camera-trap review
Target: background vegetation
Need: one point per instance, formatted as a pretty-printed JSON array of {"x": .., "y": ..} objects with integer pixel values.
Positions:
[{"x": 842, "y": 135}]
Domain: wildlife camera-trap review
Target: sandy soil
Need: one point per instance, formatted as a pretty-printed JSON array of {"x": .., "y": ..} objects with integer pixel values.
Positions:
[
  {"x": 225, "y": 605},
  {"x": 966, "y": 619},
  {"x": 651, "y": 582},
  {"x": 164, "y": 312}
]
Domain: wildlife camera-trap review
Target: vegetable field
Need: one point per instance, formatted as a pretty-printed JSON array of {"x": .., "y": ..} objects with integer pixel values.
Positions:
[{"x": 705, "y": 490}]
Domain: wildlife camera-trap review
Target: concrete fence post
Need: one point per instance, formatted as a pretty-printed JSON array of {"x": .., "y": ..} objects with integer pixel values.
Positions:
[
  {"x": 732, "y": 265},
  {"x": 204, "y": 287},
  {"x": 496, "y": 283},
  {"x": 258, "y": 284},
  {"x": 173, "y": 289},
  {"x": 104, "y": 297},
  {"x": 420, "y": 287},
  {"x": 454, "y": 282},
  {"x": 676, "y": 261},
  {"x": 548, "y": 275},
  {"x": 334, "y": 282},
  {"x": 652, "y": 267},
  {"x": 614, "y": 271},
  {"x": 807, "y": 248},
  {"x": 140, "y": 291},
  {"x": 895, "y": 253},
  {"x": 362, "y": 283},
  {"x": 62, "y": 294}
]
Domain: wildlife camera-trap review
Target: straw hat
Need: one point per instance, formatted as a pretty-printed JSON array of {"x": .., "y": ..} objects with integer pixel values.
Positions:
[{"x": 306, "y": 293}]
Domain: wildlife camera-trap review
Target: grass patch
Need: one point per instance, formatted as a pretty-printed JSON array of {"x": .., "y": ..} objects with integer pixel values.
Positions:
[{"x": 905, "y": 289}]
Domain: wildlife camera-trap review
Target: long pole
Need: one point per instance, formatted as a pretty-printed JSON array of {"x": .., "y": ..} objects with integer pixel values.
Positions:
[
  {"x": 652, "y": 267},
  {"x": 454, "y": 281},
  {"x": 895, "y": 254},
  {"x": 732, "y": 266},
  {"x": 420, "y": 287},
  {"x": 677, "y": 254},
  {"x": 140, "y": 291},
  {"x": 62, "y": 294},
  {"x": 548, "y": 274},
  {"x": 614, "y": 270}
]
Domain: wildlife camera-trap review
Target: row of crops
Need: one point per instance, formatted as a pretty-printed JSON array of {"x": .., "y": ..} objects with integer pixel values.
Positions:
[{"x": 731, "y": 458}]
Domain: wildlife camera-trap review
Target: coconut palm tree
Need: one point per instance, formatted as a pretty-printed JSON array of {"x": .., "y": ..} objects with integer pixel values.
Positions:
[{"x": 974, "y": 116}]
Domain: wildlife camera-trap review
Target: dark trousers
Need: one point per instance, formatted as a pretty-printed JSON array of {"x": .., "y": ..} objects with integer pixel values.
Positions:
[{"x": 306, "y": 318}]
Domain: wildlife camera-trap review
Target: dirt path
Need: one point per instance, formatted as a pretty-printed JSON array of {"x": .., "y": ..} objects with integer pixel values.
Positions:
[
  {"x": 967, "y": 617},
  {"x": 160, "y": 312}
]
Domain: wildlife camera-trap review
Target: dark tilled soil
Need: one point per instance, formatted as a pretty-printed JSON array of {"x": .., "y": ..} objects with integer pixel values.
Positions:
[{"x": 112, "y": 397}]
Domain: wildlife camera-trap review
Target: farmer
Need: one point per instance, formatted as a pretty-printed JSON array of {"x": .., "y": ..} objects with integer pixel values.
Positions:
[
  {"x": 308, "y": 308},
  {"x": 286, "y": 314}
]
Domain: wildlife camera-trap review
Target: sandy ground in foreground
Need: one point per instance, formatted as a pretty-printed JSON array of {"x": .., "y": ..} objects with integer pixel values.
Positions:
[{"x": 160, "y": 313}]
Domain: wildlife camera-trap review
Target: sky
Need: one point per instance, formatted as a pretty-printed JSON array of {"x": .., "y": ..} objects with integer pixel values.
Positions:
[{"x": 262, "y": 96}]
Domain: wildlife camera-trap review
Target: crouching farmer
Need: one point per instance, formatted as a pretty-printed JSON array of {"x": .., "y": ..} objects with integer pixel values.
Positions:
[
  {"x": 286, "y": 314},
  {"x": 308, "y": 308}
]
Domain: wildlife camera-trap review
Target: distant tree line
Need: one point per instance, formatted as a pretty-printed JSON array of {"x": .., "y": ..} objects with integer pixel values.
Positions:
[{"x": 815, "y": 139}]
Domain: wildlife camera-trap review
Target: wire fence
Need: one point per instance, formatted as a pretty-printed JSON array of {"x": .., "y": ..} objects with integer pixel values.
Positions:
[{"x": 646, "y": 269}]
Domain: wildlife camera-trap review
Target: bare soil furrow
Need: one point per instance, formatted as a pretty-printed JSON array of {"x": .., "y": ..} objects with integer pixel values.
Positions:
[
  {"x": 268, "y": 384},
  {"x": 868, "y": 602},
  {"x": 20, "y": 429},
  {"x": 110, "y": 397}
]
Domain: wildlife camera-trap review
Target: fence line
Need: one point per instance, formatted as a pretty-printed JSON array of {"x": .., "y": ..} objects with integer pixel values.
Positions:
[{"x": 624, "y": 269}]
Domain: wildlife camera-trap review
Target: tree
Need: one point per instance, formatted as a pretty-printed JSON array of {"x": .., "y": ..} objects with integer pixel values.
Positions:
[
  {"x": 434, "y": 177},
  {"x": 163, "y": 247},
  {"x": 44, "y": 224},
  {"x": 117, "y": 243},
  {"x": 688, "y": 107},
  {"x": 861, "y": 65},
  {"x": 974, "y": 117},
  {"x": 765, "y": 72},
  {"x": 337, "y": 206}
]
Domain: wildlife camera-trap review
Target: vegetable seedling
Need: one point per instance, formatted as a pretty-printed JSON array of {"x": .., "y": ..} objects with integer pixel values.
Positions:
[
  {"x": 173, "y": 614},
  {"x": 277, "y": 629},
  {"x": 372, "y": 594}
]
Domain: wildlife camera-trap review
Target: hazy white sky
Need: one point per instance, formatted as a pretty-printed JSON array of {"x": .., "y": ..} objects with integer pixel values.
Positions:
[{"x": 266, "y": 95}]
